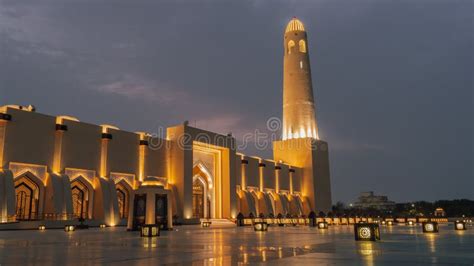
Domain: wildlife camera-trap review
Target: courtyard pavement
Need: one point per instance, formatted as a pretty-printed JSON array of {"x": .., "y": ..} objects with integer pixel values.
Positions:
[{"x": 192, "y": 245}]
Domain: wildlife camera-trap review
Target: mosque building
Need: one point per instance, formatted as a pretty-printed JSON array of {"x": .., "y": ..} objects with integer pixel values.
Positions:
[{"x": 58, "y": 169}]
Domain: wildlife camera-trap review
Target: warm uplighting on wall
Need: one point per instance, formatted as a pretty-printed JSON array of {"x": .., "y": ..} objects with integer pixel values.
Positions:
[
  {"x": 291, "y": 173},
  {"x": 243, "y": 166},
  {"x": 73, "y": 173},
  {"x": 294, "y": 25},
  {"x": 2, "y": 140},
  {"x": 19, "y": 169},
  {"x": 217, "y": 153},
  {"x": 141, "y": 154},
  {"x": 61, "y": 118},
  {"x": 118, "y": 177},
  {"x": 277, "y": 178},
  {"x": 103, "y": 157},
  {"x": 152, "y": 183},
  {"x": 105, "y": 128}
]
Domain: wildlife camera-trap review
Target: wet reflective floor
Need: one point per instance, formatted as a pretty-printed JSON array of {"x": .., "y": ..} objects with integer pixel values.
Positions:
[{"x": 193, "y": 245}]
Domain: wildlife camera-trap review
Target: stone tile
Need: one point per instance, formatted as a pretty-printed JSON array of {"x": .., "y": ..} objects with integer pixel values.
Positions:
[{"x": 211, "y": 246}]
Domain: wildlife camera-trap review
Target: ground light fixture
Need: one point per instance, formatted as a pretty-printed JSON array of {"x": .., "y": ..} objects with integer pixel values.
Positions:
[
  {"x": 69, "y": 228},
  {"x": 410, "y": 223},
  {"x": 206, "y": 223},
  {"x": 366, "y": 232},
  {"x": 150, "y": 230},
  {"x": 459, "y": 225},
  {"x": 102, "y": 226},
  {"x": 430, "y": 227},
  {"x": 260, "y": 226},
  {"x": 390, "y": 223},
  {"x": 323, "y": 225}
]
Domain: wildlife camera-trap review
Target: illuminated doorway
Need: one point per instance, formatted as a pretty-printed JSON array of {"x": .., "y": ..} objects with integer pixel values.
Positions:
[
  {"x": 27, "y": 194},
  {"x": 139, "y": 211},
  {"x": 123, "y": 198},
  {"x": 199, "y": 198},
  {"x": 80, "y": 199}
]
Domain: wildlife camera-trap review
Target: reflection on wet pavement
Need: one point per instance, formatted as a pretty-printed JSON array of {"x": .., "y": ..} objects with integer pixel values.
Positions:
[{"x": 209, "y": 246}]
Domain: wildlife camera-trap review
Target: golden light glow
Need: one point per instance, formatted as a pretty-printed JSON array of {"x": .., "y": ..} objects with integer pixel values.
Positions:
[
  {"x": 19, "y": 169},
  {"x": 291, "y": 183},
  {"x": 294, "y": 25},
  {"x": 243, "y": 176},
  {"x": 103, "y": 157},
  {"x": 105, "y": 128},
  {"x": 141, "y": 156},
  {"x": 152, "y": 183},
  {"x": 216, "y": 152},
  {"x": 58, "y": 141},
  {"x": 291, "y": 44},
  {"x": 302, "y": 46},
  {"x": 74, "y": 173},
  {"x": 117, "y": 177},
  {"x": 141, "y": 162},
  {"x": 2, "y": 139},
  {"x": 61, "y": 118},
  {"x": 277, "y": 181}
]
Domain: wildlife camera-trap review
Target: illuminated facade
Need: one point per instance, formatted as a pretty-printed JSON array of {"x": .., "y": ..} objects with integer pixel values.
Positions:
[
  {"x": 299, "y": 119},
  {"x": 60, "y": 169}
]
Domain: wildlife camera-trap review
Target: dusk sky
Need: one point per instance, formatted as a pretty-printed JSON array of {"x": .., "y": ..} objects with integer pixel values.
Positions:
[{"x": 392, "y": 79}]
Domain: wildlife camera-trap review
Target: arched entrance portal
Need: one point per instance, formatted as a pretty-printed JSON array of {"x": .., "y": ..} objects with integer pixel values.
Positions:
[
  {"x": 123, "y": 197},
  {"x": 199, "y": 198},
  {"x": 80, "y": 199},
  {"x": 27, "y": 194},
  {"x": 203, "y": 192}
]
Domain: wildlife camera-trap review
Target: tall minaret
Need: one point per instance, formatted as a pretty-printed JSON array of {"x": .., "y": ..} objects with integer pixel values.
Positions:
[
  {"x": 299, "y": 118},
  {"x": 301, "y": 146}
]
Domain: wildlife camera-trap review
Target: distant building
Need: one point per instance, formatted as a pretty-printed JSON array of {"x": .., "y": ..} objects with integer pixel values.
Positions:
[
  {"x": 368, "y": 200},
  {"x": 439, "y": 212}
]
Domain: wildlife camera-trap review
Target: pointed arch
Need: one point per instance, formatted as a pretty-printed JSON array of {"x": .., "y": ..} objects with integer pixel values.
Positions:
[
  {"x": 124, "y": 193},
  {"x": 290, "y": 46},
  {"x": 201, "y": 167},
  {"x": 200, "y": 198},
  {"x": 82, "y": 193},
  {"x": 29, "y": 196},
  {"x": 295, "y": 206},
  {"x": 302, "y": 46}
]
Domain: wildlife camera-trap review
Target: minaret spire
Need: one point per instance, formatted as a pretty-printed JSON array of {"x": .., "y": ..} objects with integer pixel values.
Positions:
[{"x": 299, "y": 117}]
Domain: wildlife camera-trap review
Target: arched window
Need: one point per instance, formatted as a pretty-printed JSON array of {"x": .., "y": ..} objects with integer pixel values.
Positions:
[
  {"x": 302, "y": 45},
  {"x": 198, "y": 199},
  {"x": 27, "y": 195},
  {"x": 123, "y": 198},
  {"x": 80, "y": 199},
  {"x": 291, "y": 44}
]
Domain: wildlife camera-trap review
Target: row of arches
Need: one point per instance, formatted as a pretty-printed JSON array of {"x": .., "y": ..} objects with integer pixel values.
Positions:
[
  {"x": 301, "y": 46},
  {"x": 30, "y": 193},
  {"x": 269, "y": 204}
]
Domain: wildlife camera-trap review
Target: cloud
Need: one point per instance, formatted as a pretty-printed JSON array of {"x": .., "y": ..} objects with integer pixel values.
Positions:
[
  {"x": 136, "y": 88},
  {"x": 223, "y": 123}
]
